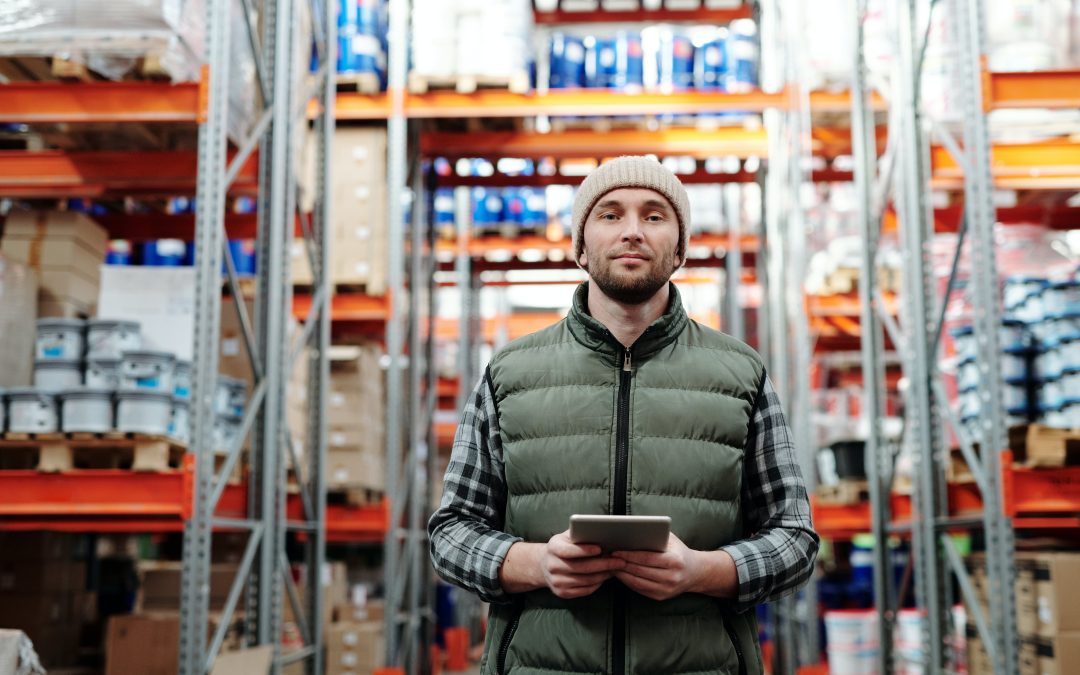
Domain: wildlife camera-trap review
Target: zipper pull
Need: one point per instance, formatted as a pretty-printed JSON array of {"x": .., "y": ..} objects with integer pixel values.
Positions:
[{"x": 626, "y": 361}]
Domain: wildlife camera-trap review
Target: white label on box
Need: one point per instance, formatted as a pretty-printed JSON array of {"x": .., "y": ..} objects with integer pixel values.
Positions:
[
  {"x": 337, "y": 439},
  {"x": 349, "y": 659},
  {"x": 230, "y": 347},
  {"x": 327, "y": 576},
  {"x": 359, "y": 153},
  {"x": 341, "y": 476},
  {"x": 1045, "y": 615},
  {"x": 337, "y": 399},
  {"x": 363, "y": 233},
  {"x": 361, "y": 268},
  {"x": 359, "y": 595},
  {"x": 363, "y": 192},
  {"x": 350, "y": 638}
]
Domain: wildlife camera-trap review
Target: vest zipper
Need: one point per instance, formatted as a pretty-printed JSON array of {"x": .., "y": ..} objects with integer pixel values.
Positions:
[
  {"x": 500, "y": 663},
  {"x": 622, "y": 452},
  {"x": 734, "y": 637}
]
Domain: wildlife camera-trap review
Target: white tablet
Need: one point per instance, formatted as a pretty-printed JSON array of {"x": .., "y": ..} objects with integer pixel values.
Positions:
[{"x": 621, "y": 533}]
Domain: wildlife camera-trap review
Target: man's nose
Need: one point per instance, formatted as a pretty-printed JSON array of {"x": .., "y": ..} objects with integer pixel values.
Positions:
[{"x": 631, "y": 227}]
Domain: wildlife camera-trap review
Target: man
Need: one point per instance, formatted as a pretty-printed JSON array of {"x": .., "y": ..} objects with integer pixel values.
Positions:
[{"x": 625, "y": 407}]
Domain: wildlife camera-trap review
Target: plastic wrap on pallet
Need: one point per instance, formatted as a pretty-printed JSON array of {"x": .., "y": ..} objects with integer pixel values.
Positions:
[
  {"x": 505, "y": 25},
  {"x": 18, "y": 315}
]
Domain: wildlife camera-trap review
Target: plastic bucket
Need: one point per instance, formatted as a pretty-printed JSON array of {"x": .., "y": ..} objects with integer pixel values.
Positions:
[
  {"x": 230, "y": 397},
  {"x": 1014, "y": 396},
  {"x": 1062, "y": 298},
  {"x": 182, "y": 380},
  {"x": 1013, "y": 334},
  {"x": 109, "y": 339},
  {"x": 144, "y": 412},
  {"x": 1014, "y": 367},
  {"x": 180, "y": 421},
  {"x": 854, "y": 629},
  {"x": 32, "y": 411},
  {"x": 103, "y": 373},
  {"x": 853, "y": 662},
  {"x": 60, "y": 339},
  {"x": 147, "y": 371},
  {"x": 226, "y": 430},
  {"x": 87, "y": 410},
  {"x": 57, "y": 376}
]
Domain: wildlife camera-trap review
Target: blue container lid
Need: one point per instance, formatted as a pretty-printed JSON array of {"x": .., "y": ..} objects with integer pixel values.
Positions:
[
  {"x": 1026, "y": 279},
  {"x": 1067, "y": 283},
  {"x": 961, "y": 331}
]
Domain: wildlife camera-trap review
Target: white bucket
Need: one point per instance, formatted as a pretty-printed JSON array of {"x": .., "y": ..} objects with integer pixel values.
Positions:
[
  {"x": 103, "y": 373},
  {"x": 32, "y": 411},
  {"x": 1063, "y": 297},
  {"x": 1014, "y": 367},
  {"x": 87, "y": 410},
  {"x": 56, "y": 376},
  {"x": 967, "y": 375},
  {"x": 226, "y": 429},
  {"x": 853, "y": 661},
  {"x": 1048, "y": 361},
  {"x": 182, "y": 380},
  {"x": 180, "y": 424},
  {"x": 1013, "y": 334},
  {"x": 110, "y": 338},
  {"x": 1051, "y": 392},
  {"x": 1070, "y": 413},
  {"x": 147, "y": 371},
  {"x": 909, "y": 624},
  {"x": 852, "y": 630},
  {"x": 230, "y": 396},
  {"x": 1014, "y": 396},
  {"x": 144, "y": 412},
  {"x": 1069, "y": 349},
  {"x": 61, "y": 339}
]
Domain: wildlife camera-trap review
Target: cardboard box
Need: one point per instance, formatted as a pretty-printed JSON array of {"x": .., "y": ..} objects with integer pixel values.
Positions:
[
  {"x": 161, "y": 299},
  {"x": 359, "y": 213},
  {"x": 159, "y": 585},
  {"x": 354, "y": 648},
  {"x": 354, "y": 468},
  {"x": 27, "y": 610},
  {"x": 53, "y": 576},
  {"x": 298, "y": 261},
  {"x": 1060, "y": 655},
  {"x": 70, "y": 225},
  {"x": 1057, "y": 597},
  {"x": 234, "y": 360},
  {"x": 55, "y": 255},
  {"x": 1045, "y": 446},
  {"x": 18, "y": 318},
  {"x": 148, "y": 644}
]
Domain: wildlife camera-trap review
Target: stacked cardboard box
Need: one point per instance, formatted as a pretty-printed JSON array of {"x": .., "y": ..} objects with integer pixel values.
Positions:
[
  {"x": 358, "y": 213},
  {"x": 42, "y": 593},
  {"x": 1047, "y": 614},
  {"x": 18, "y": 316},
  {"x": 354, "y": 648},
  {"x": 66, "y": 249},
  {"x": 150, "y": 643}
]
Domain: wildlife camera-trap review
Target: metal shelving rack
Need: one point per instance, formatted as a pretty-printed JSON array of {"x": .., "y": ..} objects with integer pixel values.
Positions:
[{"x": 264, "y": 571}]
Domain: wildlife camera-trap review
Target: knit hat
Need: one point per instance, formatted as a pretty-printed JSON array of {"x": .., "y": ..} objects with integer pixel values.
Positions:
[{"x": 630, "y": 172}]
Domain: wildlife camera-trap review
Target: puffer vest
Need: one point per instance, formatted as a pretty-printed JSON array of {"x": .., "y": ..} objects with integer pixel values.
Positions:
[{"x": 591, "y": 427}]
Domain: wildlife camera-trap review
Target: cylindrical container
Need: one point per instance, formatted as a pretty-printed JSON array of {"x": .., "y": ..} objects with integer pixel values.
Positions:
[
  {"x": 180, "y": 422},
  {"x": 444, "y": 207},
  {"x": 109, "y": 338},
  {"x": 1048, "y": 360},
  {"x": 967, "y": 374},
  {"x": 629, "y": 61},
  {"x": 60, "y": 339},
  {"x": 710, "y": 64},
  {"x": 1013, "y": 335},
  {"x": 970, "y": 404},
  {"x": 182, "y": 380},
  {"x": 57, "y": 376},
  {"x": 1030, "y": 310},
  {"x": 567, "y": 62},
  {"x": 1056, "y": 416},
  {"x": 1069, "y": 349},
  {"x": 1014, "y": 396},
  {"x": 164, "y": 253},
  {"x": 243, "y": 255},
  {"x": 87, "y": 410},
  {"x": 742, "y": 56},
  {"x": 513, "y": 207},
  {"x": 675, "y": 60},
  {"x": 1050, "y": 393},
  {"x": 147, "y": 371},
  {"x": 1019, "y": 287},
  {"x": 852, "y": 661},
  {"x": 103, "y": 373},
  {"x": 1062, "y": 298},
  {"x": 1070, "y": 411},
  {"x": 230, "y": 397},
  {"x": 964, "y": 340},
  {"x": 535, "y": 207},
  {"x": 851, "y": 629},
  {"x": 600, "y": 65},
  {"x": 144, "y": 412},
  {"x": 1014, "y": 367},
  {"x": 32, "y": 411},
  {"x": 1065, "y": 327},
  {"x": 226, "y": 430},
  {"x": 119, "y": 252}
]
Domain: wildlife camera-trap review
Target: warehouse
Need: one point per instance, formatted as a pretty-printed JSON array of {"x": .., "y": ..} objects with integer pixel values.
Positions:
[{"x": 337, "y": 337}]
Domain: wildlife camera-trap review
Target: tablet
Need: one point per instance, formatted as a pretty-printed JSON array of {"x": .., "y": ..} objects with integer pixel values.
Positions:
[{"x": 621, "y": 533}]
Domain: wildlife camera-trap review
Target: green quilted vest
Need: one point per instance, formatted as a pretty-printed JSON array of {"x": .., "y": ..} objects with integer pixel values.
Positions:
[{"x": 591, "y": 427}]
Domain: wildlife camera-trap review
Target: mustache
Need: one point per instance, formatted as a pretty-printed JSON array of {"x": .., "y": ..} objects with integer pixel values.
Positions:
[{"x": 644, "y": 253}]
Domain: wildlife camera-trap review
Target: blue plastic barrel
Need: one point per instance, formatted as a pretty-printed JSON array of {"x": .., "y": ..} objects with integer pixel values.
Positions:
[
  {"x": 535, "y": 207},
  {"x": 710, "y": 65},
  {"x": 601, "y": 64},
  {"x": 513, "y": 212},
  {"x": 567, "y": 62},
  {"x": 675, "y": 60},
  {"x": 164, "y": 253},
  {"x": 119, "y": 252},
  {"x": 243, "y": 255},
  {"x": 742, "y": 57},
  {"x": 629, "y": 60},
  {"x": 444, "y": 206}
]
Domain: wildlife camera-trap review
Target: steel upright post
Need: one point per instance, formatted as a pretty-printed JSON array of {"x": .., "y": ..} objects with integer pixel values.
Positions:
[
  {"x": 969, "y": 22},
  {"x": 209, "y": 238},
  {"x": 397, "y": 141},
  {"x": 872, "y": 341},
  {"x": 923, "y": 429},
  {"x": 733, "y": 263}
]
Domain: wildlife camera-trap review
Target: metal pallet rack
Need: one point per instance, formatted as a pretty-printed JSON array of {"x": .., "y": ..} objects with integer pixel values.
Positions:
[
  {"x": 918, "y": 338},
  {"x": 264, "y": 570}
]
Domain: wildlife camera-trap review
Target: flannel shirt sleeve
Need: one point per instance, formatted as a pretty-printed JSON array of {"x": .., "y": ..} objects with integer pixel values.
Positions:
[
  {"x": 467, "y": 545},
  {"x": 778, "y": 557}
]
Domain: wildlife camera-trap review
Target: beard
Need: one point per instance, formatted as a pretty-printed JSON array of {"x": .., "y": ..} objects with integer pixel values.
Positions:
[{"x": 633, "y": 287}]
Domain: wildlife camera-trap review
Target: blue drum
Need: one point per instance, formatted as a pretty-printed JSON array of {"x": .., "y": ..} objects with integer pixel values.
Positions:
[{"x": 567, "y": 69}]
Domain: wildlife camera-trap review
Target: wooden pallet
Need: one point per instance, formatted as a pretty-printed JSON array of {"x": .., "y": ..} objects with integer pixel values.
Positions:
[
  {"x": 362, "y": 83},
  {"x": 517, "y": 83},
  {"x": 844, "y": 493},
  {"x": 509, "y": 231},
  {"x": 37, "y": 68},
  {"x": 61, "y": 452}
]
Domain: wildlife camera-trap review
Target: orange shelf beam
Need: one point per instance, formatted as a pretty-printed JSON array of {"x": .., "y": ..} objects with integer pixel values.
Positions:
[
  {"x": 98, "y": 102},
  {"x": 1059, "y": 89},
  {"x": 347, "y": 307},
  {"x": 56, "y": 173},
  {"x": 1050, "y": 165}
]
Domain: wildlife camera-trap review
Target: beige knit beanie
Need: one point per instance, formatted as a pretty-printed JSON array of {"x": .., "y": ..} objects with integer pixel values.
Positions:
[{"x": 630, "y": 172}]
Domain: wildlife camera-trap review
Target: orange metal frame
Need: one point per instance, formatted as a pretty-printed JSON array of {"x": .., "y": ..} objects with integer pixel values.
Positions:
[
  {"x": 715, "y": 16},
  {"x": 81, "y": 102}
]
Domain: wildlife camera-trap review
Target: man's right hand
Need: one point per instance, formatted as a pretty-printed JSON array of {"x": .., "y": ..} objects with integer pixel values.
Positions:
[{"x": 570, "y": 570}]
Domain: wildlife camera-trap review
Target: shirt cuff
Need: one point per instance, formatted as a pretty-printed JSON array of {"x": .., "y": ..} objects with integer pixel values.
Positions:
[
  {"x": 498, "y": 544},
  {"x": 755, "y": 574}
]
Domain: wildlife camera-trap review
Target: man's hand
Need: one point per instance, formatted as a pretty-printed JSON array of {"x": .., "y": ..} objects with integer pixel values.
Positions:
[
  {"x": 575, "y": 570},
  {"x": 678, "y": 570}
]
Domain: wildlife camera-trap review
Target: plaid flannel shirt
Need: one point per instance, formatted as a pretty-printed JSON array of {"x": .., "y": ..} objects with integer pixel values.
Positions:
[{"x": 468, "y": 546}]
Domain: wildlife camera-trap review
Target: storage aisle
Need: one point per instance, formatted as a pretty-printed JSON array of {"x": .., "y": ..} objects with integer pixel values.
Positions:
[{"x": 254, "y": 257}]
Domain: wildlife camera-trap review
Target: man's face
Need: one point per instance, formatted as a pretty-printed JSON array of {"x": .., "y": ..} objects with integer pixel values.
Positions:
[{"x": 630, "y": 241}]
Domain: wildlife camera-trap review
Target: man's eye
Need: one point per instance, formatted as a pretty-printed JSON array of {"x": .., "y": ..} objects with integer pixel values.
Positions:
[{"x": 608, "y": 216}]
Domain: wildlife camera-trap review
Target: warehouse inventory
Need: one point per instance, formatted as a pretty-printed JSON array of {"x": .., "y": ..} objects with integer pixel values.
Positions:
[{"x": 272, "y": 275}]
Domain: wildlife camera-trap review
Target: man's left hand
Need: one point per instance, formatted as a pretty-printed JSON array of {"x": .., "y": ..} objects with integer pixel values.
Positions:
[{"x": 662, "y": 575}]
